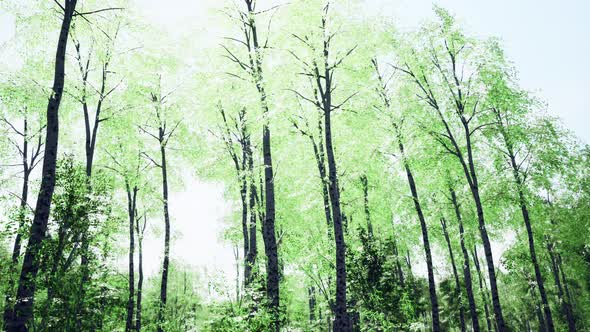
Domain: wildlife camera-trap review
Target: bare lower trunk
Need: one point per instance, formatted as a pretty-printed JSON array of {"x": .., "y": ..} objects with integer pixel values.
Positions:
[
  {"x": 458, "y": 292},
  {"x": 400, "y": 271},
  {"x": 487, "y": 247},
  {"x": 166, "y": 261},
  {"x": 268, "y": 226},
  {"x": 131, "y": 207},
  {"x": 466, "y": 266},
  {"x": 252, "y": 242},
  {"x": 565, "y": 304},
  {"x": 482, "y": 289},
  {"x": 431, "y": 283},
  {"x": 140, "y": 274},
  {"x": 570, "y": 301},
  {"x": 23, "y": 310},
  {"x": 341, "y": 321},
  {"x": 312, "y": 303},
  {"x": 519, "y": 182}
]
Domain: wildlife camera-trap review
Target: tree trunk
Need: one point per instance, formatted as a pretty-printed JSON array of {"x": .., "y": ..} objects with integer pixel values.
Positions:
[
  {"x": 131, "y": 209},
  {"x": 166, "y": 261},
  {"x": 565, "y": 305},
  {"x": 518, "y": 180},
  {"x": 91, "y": 132},
  {"x": 245, "y": 226},
  {"x": 140, "y": 273},
  {"x": 466, "y": 265},
  {"x": 341, "y": 322},
  {"x": 252, "y": 246},
  {"x": 474, "y": 186},
  {"x": 312, "y": 303},
  {"x": 400, "y": 271},
  {"x": 431, "y": 283},
  {"x": 318, "y": 152},
  {"x": 23, "y": 310},
  {"x": 458, "y": 292},
  {"x": 570, "y": 300},
  {"x": 365, "y": 184},
  {"x": 268, "y": 226},
  {"x": 482, "y": 288}
]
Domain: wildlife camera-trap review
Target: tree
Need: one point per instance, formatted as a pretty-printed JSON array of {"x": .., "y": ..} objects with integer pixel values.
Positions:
[
  {"x": 23, "y": 309},
  {"x": 253, "y": 68},
  {"x": 321, "y": 71},
  {"x": 448, "y": 50},
  {"x": 164, "y": 131}
]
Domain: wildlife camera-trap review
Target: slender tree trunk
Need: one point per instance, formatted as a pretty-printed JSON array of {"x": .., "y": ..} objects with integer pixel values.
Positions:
[
  {"x": 268, "y": 226},
  {"x": 400, "y": 271},
  {"x": 518, "y": 180},
  {"x": 466, "y": 265},
  {"x": 538, "y": 277},
  {"x": 474, "y": 186},
  {"x": 252, "y": 246},
  {"x": 91, "y": 132},
  {"x": 140, "y": 273},
  {"x": 538, "y": 312},
  {"x": 365, "y": 184},
  {"x": 458, "y": 292},
  {"x": 431, "y": 283},
  {"x": 318, "y": 152},
  {"x": 568, "y": 295},
  {"x": 131, "y": 209},
  {"x": 482, "y": 288},
  {"x": 23, "y": 310},
  {"x": 166, "y": 261},
  {"x": 341, "y": 322},
  {"x": 245, "y": 226},
  {"x": 312, "y": 303},
  {"x": 409, "y": 263},
  {"x": 565, "y": 304}
]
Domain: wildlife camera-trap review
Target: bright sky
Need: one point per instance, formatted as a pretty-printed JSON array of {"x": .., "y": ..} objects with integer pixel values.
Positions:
[{"x": 547, "y": 40}]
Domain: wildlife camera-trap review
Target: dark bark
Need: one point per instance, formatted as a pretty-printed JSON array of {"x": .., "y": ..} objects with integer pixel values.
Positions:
[
  {"x": 252, "y": 246},
  {"x": 570, "y": 301},
  {"x": 268, "y": 226},
  {"x": 23, "y": 310},
  {"x": 140, "y": 229},
  {"x": 365, "y": 185},
  {"x": 341, "y": 322},
  {"x": 132, "y": 210},
  {"x": 519, "y": 182},
  {"x": 243, "y": 169},
  {"x": 91, "y": 130},
  {"x": 319, "y": 154},
  {"x": 458, "y": 293},
  {"x": 312, "y": 304},
  {"x": 166, "y": 260},
  {"x": 409, "y": 263},
  {"x": 482, "y": 289},
  {"x": 431, "y": 283},
  {"x": 474, "y": 186},
  {"x": 466, "y": 266},
  {"x": 566, "y": 307},
  {"x": 400, "y": 271},
  {"x": 463, "y": 155}
]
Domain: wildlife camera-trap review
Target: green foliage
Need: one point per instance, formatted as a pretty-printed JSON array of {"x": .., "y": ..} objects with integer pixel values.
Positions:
[{"x": 390, "y": 83}]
